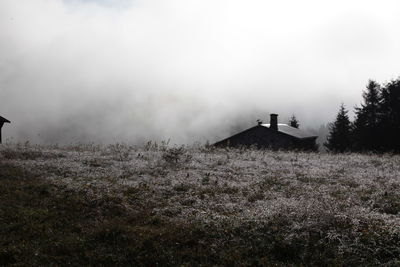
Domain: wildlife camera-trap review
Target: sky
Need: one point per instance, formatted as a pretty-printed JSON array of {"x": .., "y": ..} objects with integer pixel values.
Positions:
[{"x": 189, "y": 71}]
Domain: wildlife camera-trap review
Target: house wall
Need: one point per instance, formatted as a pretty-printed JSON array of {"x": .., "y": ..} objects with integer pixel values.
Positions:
[{"x": 306, "y": 144}]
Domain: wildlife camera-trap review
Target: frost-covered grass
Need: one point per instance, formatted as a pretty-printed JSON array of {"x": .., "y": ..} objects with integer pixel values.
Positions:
[{"x": 155, "y": 204}]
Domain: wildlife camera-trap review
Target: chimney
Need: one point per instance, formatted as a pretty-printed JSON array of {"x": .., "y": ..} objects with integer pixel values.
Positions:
[{"x": 273, "y": 123}]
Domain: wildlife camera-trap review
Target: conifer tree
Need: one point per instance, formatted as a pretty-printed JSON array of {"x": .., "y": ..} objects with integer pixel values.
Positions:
[
  {"x": 390, "y": 116},
  {"x": 366, "y": 132},
  {"x": 339, "y": 132},
  {"x": 294, "y": 122}
]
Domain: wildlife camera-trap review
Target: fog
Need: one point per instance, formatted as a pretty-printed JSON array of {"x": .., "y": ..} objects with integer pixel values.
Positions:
[{"x": 188, "y": 71}]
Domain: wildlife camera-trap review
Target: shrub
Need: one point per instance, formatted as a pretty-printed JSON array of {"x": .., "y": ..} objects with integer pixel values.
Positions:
[{"x": 176, "y": 156}]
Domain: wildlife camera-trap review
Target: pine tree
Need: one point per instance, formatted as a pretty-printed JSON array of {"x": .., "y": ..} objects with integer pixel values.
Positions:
[
  {"x": 390, "y": 116},
  {"x": 294, "y": 122},
  {"x": 366, "y": 132},
  {"x": 339, "y": 132}
]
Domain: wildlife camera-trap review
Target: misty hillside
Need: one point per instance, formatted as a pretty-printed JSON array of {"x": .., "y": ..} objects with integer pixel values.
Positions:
[
  {"x": 123, "y": 205},
  {"x": 86, "y": 83}
]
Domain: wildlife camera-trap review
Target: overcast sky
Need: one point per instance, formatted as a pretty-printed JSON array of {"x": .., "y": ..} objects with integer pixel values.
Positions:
[{"x": 134, "y": 70}]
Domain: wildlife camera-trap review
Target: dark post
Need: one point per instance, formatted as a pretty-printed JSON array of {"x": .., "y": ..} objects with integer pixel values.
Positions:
[
  {"x": 2, "y": 121},
  {"x": 1, "y": 126},
  {"x": 273, "y": 123}
]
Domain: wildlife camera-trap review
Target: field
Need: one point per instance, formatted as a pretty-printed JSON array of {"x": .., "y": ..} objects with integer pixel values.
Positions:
[{"x": 89, "y": 204}]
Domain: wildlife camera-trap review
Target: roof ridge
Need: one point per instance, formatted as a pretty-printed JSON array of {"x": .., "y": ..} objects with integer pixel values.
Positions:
[{"x": 292, "y": 131}]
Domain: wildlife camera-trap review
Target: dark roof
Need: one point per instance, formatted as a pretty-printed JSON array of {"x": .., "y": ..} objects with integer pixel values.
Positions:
[
  {"x": 289, "y": 130},
  {"x": 4, "y": 120}
]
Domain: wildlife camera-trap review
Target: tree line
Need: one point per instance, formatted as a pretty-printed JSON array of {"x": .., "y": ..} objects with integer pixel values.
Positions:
[{"x": 376, "y": 126}]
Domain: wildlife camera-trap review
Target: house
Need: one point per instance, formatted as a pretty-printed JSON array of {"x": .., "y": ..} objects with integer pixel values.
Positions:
[
  {"x": 272, "y": 135},
  {"x": 2, "y": 121}
]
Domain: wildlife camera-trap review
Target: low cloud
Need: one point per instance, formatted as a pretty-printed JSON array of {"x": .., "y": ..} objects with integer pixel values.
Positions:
[{"x": 110, "y": 71}]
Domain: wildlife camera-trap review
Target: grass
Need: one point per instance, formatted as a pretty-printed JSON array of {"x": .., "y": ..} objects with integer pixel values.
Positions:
[{"x": 131, "y": 206}]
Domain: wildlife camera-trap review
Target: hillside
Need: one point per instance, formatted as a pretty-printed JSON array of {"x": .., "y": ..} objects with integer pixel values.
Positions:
[{"x": 123, "y": 205}]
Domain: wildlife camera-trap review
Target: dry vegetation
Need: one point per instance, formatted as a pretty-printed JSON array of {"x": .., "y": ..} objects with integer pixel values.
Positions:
[{"x": 89, "y": 204}]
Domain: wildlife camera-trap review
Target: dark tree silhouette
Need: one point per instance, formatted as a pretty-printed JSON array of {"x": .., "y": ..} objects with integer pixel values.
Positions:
[
  {"x": 366, "y": 132},
  {"x": 294, "y": 122},
  {"x": 377, "y": 122},
  {"x": 390, "y": 116},
  {"x": 339, "y": 132}
]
